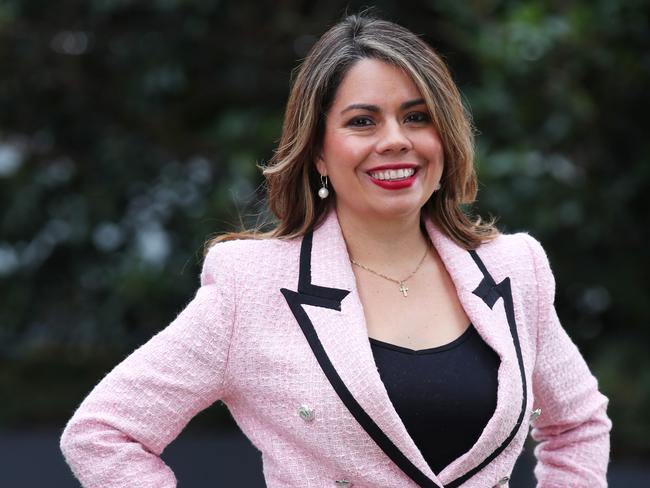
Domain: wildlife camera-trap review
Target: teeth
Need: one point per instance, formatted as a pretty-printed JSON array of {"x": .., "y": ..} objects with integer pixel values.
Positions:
[{"x": 393, "y": 174}]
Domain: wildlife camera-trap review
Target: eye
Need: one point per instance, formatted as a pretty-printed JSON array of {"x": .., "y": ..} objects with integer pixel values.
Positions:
[
  {"x": 417, "y": 117},
  {"x": 360, "y": 121}
]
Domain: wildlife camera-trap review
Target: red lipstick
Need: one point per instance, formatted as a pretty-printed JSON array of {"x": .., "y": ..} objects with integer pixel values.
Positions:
[{"x": 394, "y": 184}]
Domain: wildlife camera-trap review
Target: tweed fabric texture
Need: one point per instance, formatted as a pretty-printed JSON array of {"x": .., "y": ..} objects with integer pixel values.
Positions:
[{"x": 238, "y": 341}]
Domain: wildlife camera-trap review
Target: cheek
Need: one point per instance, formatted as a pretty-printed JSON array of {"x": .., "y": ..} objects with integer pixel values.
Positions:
[
  {"x": 433, "y": 143},
  {"x": 345, "y": 152},
  {"x": 330, "y": 147},
  {"x": 434, "y": 153}
]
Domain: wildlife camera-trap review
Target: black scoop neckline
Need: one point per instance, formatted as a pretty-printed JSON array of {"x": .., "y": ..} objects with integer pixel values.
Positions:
[{"x": 431, "y": 350}]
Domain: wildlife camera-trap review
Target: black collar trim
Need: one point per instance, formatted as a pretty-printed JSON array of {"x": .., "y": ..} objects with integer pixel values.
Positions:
[{"x": 305, "y": 286}]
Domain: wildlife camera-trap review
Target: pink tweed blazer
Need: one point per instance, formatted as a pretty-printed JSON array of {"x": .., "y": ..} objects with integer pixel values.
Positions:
[{"x": 277, "y": 332}]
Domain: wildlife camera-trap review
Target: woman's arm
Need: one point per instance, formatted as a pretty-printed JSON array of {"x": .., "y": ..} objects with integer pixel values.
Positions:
[
  {"x": 573, "y": 428},
  {"x": 116, "y": 436}
]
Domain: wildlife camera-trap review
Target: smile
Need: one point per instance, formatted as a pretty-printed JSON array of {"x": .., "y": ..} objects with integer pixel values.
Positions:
[{"x": 393, "y": 174}]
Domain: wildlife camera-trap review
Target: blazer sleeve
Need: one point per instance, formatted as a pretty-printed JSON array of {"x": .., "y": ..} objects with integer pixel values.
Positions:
[
  {"x": 573, "y": 428},
  {"x": 117, "y": 434}
]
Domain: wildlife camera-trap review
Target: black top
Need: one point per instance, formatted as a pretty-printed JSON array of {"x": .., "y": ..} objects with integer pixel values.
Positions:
[{"x": 444, "y": 395}]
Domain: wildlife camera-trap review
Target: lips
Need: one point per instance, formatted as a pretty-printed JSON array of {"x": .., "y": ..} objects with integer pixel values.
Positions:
[{"x": 394, "y": 176}]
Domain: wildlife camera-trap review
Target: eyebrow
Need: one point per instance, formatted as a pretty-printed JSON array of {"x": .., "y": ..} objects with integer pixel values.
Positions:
[{"x": 375, "y": 108}]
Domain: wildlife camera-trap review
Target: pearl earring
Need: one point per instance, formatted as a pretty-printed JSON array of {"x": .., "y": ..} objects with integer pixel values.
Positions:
[{"x": 323, "y": 192}]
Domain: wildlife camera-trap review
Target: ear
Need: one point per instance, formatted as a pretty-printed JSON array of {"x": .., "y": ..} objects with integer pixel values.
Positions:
[{"x": 321, "y": 167}]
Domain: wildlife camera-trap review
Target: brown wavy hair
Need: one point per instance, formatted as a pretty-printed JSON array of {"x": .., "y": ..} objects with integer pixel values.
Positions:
[{"x": 291, "y": 177}]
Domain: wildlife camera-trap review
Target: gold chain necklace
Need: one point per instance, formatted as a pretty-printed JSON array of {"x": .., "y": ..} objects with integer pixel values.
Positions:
[{"x": 402, "y": 283}]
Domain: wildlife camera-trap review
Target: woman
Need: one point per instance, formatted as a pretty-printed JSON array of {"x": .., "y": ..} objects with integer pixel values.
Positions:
[{"x": 377, "y": 337}]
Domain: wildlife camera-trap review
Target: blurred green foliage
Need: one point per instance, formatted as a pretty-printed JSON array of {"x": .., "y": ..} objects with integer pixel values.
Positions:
[{"x": 129, "y": 132}]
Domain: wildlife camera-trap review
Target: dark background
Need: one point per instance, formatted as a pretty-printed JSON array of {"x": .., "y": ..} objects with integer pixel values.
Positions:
[{"x": 129, "y": 134}]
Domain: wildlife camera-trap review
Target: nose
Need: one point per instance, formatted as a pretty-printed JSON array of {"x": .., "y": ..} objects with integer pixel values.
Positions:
[{"x": 394, "y": 138}]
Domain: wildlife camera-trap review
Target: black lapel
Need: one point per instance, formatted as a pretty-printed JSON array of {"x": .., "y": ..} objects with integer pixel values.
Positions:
[
  {"x": 489, "y": 291},
  {"x": 309, "y": 294},
  {"x": 326, "y": 297}
]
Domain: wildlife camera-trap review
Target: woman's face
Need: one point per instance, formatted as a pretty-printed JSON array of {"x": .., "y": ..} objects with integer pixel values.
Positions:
[{"x": 381, "y": 151}]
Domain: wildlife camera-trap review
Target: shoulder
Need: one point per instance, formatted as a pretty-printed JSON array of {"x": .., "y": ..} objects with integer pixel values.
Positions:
[
  {"x": 520, "y": 256},
  {"x": 513, "y": 248},
  {"x": 246, "y": 256}
]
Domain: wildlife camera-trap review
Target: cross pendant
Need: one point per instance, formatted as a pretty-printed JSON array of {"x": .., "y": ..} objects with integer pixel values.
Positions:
[{"x": 403, "y": 288}]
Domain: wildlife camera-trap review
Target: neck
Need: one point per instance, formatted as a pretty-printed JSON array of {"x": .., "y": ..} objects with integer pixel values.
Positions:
[{"x": 390, "y": 245}]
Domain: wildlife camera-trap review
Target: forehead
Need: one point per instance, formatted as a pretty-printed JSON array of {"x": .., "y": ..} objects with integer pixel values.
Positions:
[{"x": 377, "y": 82}]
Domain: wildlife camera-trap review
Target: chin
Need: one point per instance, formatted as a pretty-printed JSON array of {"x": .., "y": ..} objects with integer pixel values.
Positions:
[
  {"x": 399, "y": 211},
  {"x": 386, "y": 210}
]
